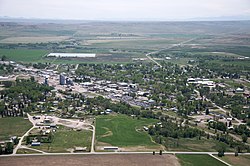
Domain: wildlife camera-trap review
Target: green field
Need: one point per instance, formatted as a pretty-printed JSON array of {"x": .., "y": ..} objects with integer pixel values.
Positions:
[
  {"x": 23, "y": 55},
  {"x": 121, "y": 130},
  {"x": 65, "y": 138},
  {"x": 198, "y": 160},
  {"x": 13, "y": 126}
]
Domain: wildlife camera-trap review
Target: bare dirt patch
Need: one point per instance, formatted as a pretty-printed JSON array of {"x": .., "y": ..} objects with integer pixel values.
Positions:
[
  {"x": 108, "y": 132},
  {"x": 140, "y": 148},
  {"x": 92, "y": 160}
]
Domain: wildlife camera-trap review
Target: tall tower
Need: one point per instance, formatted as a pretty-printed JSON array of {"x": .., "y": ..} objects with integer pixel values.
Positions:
[{"x": 62, "y": 79}]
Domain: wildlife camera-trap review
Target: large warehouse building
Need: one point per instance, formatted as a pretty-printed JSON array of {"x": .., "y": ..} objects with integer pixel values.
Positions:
[{"x": 71, "y": 55}]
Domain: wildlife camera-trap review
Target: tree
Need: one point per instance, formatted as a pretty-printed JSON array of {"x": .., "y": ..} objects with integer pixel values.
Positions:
[
  {"x": 221, "y": 148},
  {"x": 28, "y": 140},
  {"x": 244, "y": 138},
  {"x": 9, "y": 148},
  {"x": 3, "y": 58},
  {"x": 207, "y": 111}
]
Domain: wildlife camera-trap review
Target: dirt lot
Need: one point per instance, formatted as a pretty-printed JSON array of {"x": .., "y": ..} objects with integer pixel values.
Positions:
[
  {"x": 239, "y": 161},
  {"x": 92, "y": 160}
]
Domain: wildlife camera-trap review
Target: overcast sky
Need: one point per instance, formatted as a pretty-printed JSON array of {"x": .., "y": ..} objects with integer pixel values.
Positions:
[{"x": 124, "y": 9}]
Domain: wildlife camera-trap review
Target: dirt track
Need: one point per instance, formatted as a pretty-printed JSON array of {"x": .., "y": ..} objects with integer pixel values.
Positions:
[{"x": 92, "y": 160}]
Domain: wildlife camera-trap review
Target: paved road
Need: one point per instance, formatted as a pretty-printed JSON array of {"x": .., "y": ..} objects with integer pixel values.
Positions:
[{"x": 107, "y": 153}]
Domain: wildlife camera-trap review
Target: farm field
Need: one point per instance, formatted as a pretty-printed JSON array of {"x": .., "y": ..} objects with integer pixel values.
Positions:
[
  {"x": 66, "y": 139},
  {"x": 237, "y": 161},
  {"x": 123, "y": 131},
  {"x": 93, "y": 160},
  {"x": 13, "y": 126},
  {"x": 33, "y": 39},
  {"x": 198, "y": 160},
  {"x": 38, "y": 55},
  {"x": 23, "y": 55}
]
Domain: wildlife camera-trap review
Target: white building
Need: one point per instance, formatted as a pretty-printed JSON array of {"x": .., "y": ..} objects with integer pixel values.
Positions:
[{"x": 71, "y": 55}]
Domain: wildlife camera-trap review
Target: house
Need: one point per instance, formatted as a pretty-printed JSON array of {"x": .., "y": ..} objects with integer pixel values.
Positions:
[
  {"x": 80, "y": 149},
  {"x": 35, "y": 143},
  {"x": 52, "y": 125},
  {"x": 239, "y": 90}
]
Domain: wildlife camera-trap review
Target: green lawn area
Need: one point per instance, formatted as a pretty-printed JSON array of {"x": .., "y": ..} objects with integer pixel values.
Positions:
[
  {"x": 23, "y": 55},
  {"x": 65, "y": 138},
  {"x": 13, "y": 126},
  {"x": 237, "y": 161},
  {"x": 122, "y": 130},
  {"x": 198, "y": 160},
  {"x": 26, "y": 151}
]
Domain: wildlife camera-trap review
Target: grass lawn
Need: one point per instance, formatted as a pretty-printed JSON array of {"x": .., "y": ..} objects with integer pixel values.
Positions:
[
  {"x": 23, "y": 55},
  {"x": 237, "y": 161},
  {"x": 26, "y": 151},
  {"x": 13, "y": 126},
  {"x": 122, "y": 130},
  {"x": 66, "y": 138},
  {"x": 198, "y": 160}
]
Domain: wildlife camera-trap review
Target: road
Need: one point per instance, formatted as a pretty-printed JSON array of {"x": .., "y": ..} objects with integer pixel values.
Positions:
[
  {"x": 65, "y": 122},
  {"x": 26, "y": 134},
  {"x": 107, "y": 153},
  {"x": 93, "y": 139},
  {"x": 172, "y": 46},
  {"x": 21, "y": 140}
]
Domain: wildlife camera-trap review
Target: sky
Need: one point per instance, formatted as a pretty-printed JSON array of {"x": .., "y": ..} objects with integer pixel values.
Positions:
[{"x": 125, "y": 9}]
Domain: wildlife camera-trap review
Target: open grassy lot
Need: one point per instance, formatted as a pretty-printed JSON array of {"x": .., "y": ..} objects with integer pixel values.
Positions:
[
  {"x": 198, "y": 160},
  {"x": 65, "y": 139},
  {"x": 208, "y": 145},
  {"x": 237, "y": 161},
  {"x": 23, "y": 55},
  {"x": 121, "y": 130},
  {"x": 13, "y": 126}
]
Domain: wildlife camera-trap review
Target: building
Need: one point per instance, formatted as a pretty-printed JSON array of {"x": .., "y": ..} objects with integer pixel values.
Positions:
[
  {"x": 80, "y": 149},
  {"x": 110, "y": 148},
  {"x": 71, "y": 55},
  {"x": 62, "y": 80},
  {"x": 46, "y": 82},
  {"x": 35, "y": 143}
]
